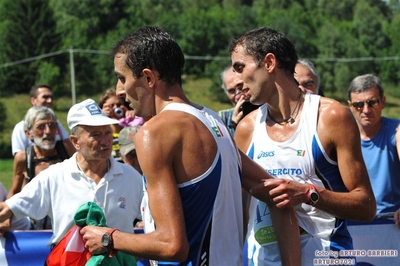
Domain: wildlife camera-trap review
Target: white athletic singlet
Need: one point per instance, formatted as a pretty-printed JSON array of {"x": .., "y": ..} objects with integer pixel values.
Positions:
[
  {"x": 302, "y": 159},
  {"x": 212, "y": 202}
]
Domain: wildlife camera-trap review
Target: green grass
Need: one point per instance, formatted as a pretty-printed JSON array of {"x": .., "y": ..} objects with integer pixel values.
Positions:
[
  {"x": 197, "y": 90},
  {"x": 6, "y": 172}
]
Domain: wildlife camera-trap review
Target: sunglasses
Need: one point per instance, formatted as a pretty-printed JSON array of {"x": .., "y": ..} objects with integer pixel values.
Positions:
[
  {"x": 51, "y": 125},
  {"x": 238, "y": 90},
  {"x": 370, "y": 103}
]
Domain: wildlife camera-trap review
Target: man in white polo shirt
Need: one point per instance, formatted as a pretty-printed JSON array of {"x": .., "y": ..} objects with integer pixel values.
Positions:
[{"x": 90, "y": 175}]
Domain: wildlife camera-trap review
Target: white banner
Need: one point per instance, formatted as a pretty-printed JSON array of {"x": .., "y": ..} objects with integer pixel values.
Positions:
[{"x": 376, "y": 243}]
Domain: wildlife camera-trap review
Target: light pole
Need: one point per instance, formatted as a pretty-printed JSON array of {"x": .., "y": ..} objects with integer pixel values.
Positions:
[{"x": 72, "y": 69}]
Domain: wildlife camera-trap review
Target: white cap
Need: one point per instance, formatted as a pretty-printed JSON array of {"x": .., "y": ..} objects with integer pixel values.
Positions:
[{"x": 88, "y": 113}]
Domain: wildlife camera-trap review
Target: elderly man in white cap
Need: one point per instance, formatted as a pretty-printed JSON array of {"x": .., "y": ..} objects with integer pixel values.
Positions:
[{"x": 90, "y": 175}]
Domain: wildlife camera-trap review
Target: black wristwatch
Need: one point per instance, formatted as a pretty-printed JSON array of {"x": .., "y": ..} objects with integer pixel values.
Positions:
[
  {"x": 313, "y": 195},
  {"x": 232, "y": 124},
  {"x": 107, "y": 242}
]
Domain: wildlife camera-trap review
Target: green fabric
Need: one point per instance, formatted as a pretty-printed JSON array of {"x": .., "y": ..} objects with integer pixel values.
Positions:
[{"x": 91, "y": 214}]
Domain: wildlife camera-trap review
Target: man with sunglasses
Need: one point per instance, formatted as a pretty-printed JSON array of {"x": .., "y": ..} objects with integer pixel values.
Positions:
[
  {"x": 380, "y": 140},
  {"x": 40, "y": 125},
  {"x": 40, "y": 95},
  {"x": 232, "y": 116},
  {"x": 242, "y": 107}
]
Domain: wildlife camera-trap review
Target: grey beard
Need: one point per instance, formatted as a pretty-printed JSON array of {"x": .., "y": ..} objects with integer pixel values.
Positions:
[{"x": 43, "y": 145}]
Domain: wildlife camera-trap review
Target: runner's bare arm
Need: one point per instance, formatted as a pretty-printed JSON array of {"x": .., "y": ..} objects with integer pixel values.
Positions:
[{"x": 345, "y": 147}]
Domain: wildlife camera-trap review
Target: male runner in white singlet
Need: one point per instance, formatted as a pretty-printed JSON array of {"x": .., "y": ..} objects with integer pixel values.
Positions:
[{"x": 310, "y": 144}]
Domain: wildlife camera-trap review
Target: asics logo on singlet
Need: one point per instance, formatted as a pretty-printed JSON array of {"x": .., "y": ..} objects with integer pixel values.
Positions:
[
  {"x": 285, "y": 171},
  {"x": 266, "y": 154}
]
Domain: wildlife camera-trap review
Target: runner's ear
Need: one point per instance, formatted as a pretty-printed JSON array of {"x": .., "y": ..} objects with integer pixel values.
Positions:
[{"x": 151, "y": 77}]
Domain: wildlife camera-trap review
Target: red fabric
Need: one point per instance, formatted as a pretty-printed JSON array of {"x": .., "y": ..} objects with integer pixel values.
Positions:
[{"x": 70, "y": 251}]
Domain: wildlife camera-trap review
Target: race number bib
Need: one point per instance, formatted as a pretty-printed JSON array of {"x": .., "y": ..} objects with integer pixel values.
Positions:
[{"x": 264, "y": 232}]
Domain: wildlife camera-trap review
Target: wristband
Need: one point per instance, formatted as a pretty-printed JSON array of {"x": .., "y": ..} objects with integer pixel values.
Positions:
[
  {"x": 107, "y": 242},
  {"x": 232, "y": 124}
]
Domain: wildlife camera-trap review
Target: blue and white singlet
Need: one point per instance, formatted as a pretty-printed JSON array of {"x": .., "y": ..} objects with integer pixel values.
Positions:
[
  {"x": 212, "y": 203},
  {"x": 300, "y": 158}
]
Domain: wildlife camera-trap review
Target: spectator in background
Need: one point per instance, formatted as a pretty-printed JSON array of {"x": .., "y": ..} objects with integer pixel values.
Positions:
[
  {"x": 231, "y": 84},
  {"x": 307, "y": 77},
  {"x": 114, "y": 107},
  {"x": 40, "y": 95},
  {"x": 40, "y": 124},
  {"x": 110, "y": 102},
  {"x": 380, "y": 140},
  {"x": 127, "y": 147},
  {"x": 90, "y": 175}
]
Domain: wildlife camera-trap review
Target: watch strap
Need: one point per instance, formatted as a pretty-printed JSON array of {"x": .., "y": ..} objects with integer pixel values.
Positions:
[
  {"x": 111, "y": 246},
  {"x": 232, "y": 125}
]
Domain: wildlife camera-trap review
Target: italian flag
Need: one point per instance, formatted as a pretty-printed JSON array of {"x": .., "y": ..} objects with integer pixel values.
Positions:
[{"x": 69, "y": 251}]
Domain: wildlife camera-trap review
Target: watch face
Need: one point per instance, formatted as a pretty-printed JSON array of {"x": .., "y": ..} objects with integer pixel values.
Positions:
[
  {"x": 105, "y": 240},
  {"x": 314, "y": 196}
]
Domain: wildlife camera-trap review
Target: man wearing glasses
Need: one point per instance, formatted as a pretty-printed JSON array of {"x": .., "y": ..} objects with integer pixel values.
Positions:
[
  {"x": 232, "y": 116},
  {"x": 40, "y": 125},
  {"x": 40, "y": 95},
  {"x": 380, "y": 140},
  {"x": 232, "y": 86}
]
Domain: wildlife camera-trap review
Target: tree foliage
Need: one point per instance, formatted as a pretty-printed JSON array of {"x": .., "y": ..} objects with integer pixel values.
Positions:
[
  {"x": 329, "y": 32},
  {"x": 3, "y": 114},
  {"x": 27, "y": 29}
]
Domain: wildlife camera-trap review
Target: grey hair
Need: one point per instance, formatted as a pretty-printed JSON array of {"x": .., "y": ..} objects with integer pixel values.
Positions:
[
  {"x": 308, "y": 64},
  {"x": 222, "y": 74},
  {"x": 36, "y": 113},
  {"x": 76, "y": 130},
  {"x": 363, "y": 83}
]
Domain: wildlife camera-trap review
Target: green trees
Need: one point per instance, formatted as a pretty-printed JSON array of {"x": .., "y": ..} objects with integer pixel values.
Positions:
[
  {"x": 333, "y": 33},
  {"x": 27, "y": 29},
  {"x": 89, "y": 28}
]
